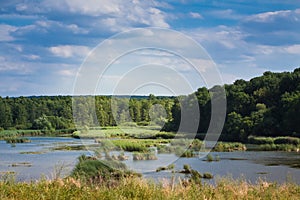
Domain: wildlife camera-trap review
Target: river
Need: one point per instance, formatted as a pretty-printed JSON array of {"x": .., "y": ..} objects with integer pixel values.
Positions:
[{"x": 31, "y": 161}]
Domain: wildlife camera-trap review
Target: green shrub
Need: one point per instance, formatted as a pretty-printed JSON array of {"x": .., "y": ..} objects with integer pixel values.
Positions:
[
  {"x": 144, "y": 156},
  {"x": 195, "y": 177},
  {"x": 187, "y": 154},
  {"x": 169, "y": 167},
  {"x": 287, "y": 140},
  {"x": 76, "y": 134},
  {"x": 130, "y": 145},
  {"x": 268, "y": 147},
  {"x": 89, "y": 168},
  {"x": 181, "y": 142},
  {"x": 165, "y": 135},
  {"x": 209, "y": 158},
  {"x": 208, "y": 175},
  {"x": 165, "y": 149},
  {"x": 229, "y": 146},
  {"x": 260, "y": 140},
  {"x": 186, "y": 168}
]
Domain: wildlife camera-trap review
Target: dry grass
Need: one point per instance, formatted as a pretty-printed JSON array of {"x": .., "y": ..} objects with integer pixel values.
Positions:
[{"x": 136, "y": 188}]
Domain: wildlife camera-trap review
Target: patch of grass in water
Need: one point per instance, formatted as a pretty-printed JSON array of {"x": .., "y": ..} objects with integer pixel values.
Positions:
[
  {"x": 238, "y": 159},
  {"x": 144, "y": 156},
  {"x": 272, "y": 164},
  {"x": 21, "y": 164},
  {"x": 7, "y": 172},
  {"x": 13, "y": 140},
  {"x": 91, "y": 170},
  {"x": 70, "y": 148},
  {"x": 169, "y": 167},
  {"x": 262, "y": 173},
  {"x": 295, "y": 166},
  {"x": 32, "y": 152}
]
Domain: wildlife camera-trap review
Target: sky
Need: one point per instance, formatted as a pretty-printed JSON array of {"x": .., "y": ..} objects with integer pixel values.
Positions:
[{"x": 45, "y": 45}]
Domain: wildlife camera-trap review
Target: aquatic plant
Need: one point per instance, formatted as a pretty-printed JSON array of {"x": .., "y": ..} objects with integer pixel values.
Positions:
[{"x": 12, "y": 140}]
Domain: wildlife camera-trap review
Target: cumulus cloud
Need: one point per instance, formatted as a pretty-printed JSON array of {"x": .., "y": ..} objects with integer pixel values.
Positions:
[
  {"x": 122, "y": 13},
  {"x": 280, "y": 27},
  {"x": 270, "y": 16},
  {"x": 68, "y": 51}
]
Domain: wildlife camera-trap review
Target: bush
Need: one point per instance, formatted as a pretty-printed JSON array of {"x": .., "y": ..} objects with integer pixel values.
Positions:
[
  {"x": 208, "y": 175},
  {"x": 229, "y": 146},
  {"x": 165, "y": 149},
  {"x": 186, "y": 168},
  {"x": 144, "y": 156},
  {"x": 165, "y": 135},
  {"x": 268, "y": 147},
  {"x": 186, "y": 154},
  {"x": 260, "y": 140},
  {"x": 130, "y": 145},
  {"x": 89, "y": 168},
  {"x": 287, "y": 140},
  {"x": 196, "y": 176},
  {"x": 76, "y": 134},
  {"x": 209, "y": 158},
  {"x": 169, "y": 167}
]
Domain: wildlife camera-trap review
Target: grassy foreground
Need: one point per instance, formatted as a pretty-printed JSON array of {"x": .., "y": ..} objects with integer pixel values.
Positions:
[{"x": 136, "y": 188}]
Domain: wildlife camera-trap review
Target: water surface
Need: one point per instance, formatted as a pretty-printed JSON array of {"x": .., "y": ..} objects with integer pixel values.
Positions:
[{"x": 32, "y": 160}]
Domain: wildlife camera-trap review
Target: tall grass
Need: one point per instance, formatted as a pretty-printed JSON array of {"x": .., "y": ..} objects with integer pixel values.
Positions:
[{"x": 136, "y": 188}]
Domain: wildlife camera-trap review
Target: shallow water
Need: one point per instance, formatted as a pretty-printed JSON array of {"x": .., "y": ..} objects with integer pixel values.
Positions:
[
  {"x": 39, "y": 153},
  {"x": 249, "y": 165}
]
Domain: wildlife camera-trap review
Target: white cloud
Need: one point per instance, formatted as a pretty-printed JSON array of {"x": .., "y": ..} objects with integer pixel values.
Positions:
[
  {"x": 226, "y": 14},
  {"x": 50, "y": 25},
  {"x": 67, "y": 72},
  {"x": 269, "y": 16},
  {"x": 293, "y": 49},
  {"x": 196, "y": 15},
  {"x": 5, "y": 32},
  {"x": 32, "y": 57},
  {"x": 17, "y": 67},
  {"x": 68, "y": 51},
  {"x": 21, "y": 7},
  {"x": 93, "y": 7},
  {"x": 122, "y": 14},
  {"x": 228, "y": 37}
]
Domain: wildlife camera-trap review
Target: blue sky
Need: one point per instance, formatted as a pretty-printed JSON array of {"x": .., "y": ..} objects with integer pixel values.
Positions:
[{"x": 43, "y": 43}]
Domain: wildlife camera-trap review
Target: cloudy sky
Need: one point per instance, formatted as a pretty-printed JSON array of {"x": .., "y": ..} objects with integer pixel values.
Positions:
[{"x": 44, "y": 43}]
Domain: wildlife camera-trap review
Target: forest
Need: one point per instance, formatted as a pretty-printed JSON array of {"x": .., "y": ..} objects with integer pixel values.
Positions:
[{"x": 268, "y": 105}]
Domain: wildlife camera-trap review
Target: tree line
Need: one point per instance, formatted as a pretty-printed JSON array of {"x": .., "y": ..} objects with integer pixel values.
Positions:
[{"x": 268, "y": 105}]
